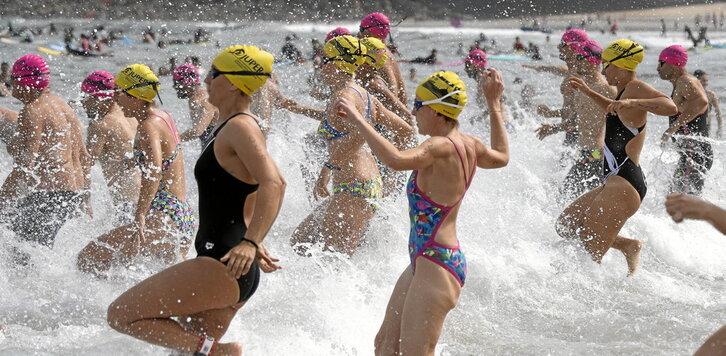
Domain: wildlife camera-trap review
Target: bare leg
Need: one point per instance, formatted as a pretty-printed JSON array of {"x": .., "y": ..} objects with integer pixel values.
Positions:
[
  {"x": 606, "y": 215},
  {"x": 432, "y": 294},
  {"x": 715, "y": 345},
  {"x": 117, "y": 246},
  {"x": 191, "y": 288},
  {"x": 573, "y": 216},
  {"x": 388, "y": 339},
  {"x": 344, "y": 222}
]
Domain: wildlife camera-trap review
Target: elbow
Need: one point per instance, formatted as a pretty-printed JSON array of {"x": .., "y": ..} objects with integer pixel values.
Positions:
[
  {"x": 671, "y": 109},
  {"x": 502, "y": 162},
  {"x": 396, "y": 163},
  {"x": 276, "y": 184}
]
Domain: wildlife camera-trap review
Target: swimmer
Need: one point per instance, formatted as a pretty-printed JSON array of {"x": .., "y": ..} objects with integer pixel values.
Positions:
[
  {"x": 567, "y": 112},
  {"x": 586, "y": 172},
  {"x": 713, "y": 103},
  {"x": 340, "y": 222},
  {"x": 377, "y": 25},
  {"x": 443, "y": 168},
  {"x": 51, "y": 160},
  {"x": 163, "y": 220},
  {"x": 690, "y": 123},
  {"x": 368, "y": 76},
  {"x": 110, "y": 141},
  {"x": 5, "y": 80},
  {"x": 204, "y": 116},
  {"x": 189, "y": 306},
  {"x": 475, "y": 66},
  {"x": 597, "y": 216}
]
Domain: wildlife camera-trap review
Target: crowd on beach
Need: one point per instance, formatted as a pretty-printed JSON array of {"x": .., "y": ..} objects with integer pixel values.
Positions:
[{"x": 369, "y": 134}]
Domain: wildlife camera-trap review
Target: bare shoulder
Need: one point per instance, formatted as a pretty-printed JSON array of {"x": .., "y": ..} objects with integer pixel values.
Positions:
[
  {"x": 246, "y": 125},
  {"x": 603, "y": 88},
  {"x": 640, "y": 90}
]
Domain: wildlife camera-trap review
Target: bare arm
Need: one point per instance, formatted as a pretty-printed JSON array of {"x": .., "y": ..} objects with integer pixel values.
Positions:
[
  {"x": 84, "y": 158},
  {"x": 202, "y": 116},
  {"x": 719, "y": 118},
  {"x": 682, "y": 206},
  {"x": 149, "y": 143},
  {"x": 492, "y": 86},
  {"x": 95, "y": 140},
  {"x": 378, "y": 85},
  {"x": 27, "y": 144},
  {"x": 557, "y": 70},
  {"x": 293, "y": 107},
  {"x": 252, "y": 152}
]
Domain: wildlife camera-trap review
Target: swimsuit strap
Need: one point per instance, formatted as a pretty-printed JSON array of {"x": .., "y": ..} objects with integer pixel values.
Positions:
[
  {"x": 620, "y": 94},
  {"x": 368, "y": 108},
  {"x": 172, "y": 126},
  {"x": 216, "y": 131},
  {"x": 467, "y": 182}
]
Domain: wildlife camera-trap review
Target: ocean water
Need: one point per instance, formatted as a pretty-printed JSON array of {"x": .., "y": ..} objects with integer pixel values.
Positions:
[{"x": 527, "y": 292}]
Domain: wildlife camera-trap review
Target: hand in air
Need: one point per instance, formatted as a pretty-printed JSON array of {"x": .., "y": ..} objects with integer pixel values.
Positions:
[
  {"x": 682, "y": 206},
  {"x": 346, "y": 109},
  {"x": 267, "y": 263},
  {"x": 577, "y": 83},
  {"x": 545, "y": 130},
  {"x": 543, "y": 110},
  {"x": 492, "y": 85},
  {"x": 239, "y": 259},
  {"x": 321, "y": 187}
]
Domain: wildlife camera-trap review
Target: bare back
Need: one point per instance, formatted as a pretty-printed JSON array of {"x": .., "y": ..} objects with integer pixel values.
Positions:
[
  {"x": 590, "y": 116},
  {"x": 49, "y": 140}
]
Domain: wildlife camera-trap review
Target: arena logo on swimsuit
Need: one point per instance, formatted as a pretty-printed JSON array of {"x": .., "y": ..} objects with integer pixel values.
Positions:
[{"x": 242, "y": 57}]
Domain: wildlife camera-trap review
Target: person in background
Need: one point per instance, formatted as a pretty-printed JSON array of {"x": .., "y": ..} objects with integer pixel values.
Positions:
[{"x": 713, "y": 103}]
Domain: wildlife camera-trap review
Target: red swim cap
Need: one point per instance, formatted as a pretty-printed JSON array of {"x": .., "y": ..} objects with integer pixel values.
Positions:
[
  {"x": 31, "y": 71},
  {"x": 187, "y": 73},
  {"x": 675, "y": 55},
  {"x": 377, "y": 23},
  {"x": 478, "y": 58},
  {"x": 99, "y": 84},
  {"x": 338, "y": 31}
]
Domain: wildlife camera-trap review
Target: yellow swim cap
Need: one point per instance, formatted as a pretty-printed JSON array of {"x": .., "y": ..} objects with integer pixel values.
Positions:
[
  {"x": 138, "y": 81},
  {"x": 446, "y": 88},
  {"x": 376, "y": 51},
  {"x": 624, "y": 54},
  {"x": 246, "y": 61},
  {"x": 347, "y": 53}
]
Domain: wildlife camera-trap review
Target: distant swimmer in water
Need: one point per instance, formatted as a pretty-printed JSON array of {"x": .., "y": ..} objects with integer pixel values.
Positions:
[
  {"x": 475, "y": 66},
  {"x": 377, "y": 25},
  {"x": 586, "y": 172},
  {"x": 689, "y": 125},
  {"x": 567, "y": 112},
  {"x": 5, "y": 80},
  {"x": 110, "y": 141},
  {"x": 50, "y": 159},
  {"x": 597, "y": 216},
  {"x": 339, "y": 223},
  {"x": 189, "y": 306},
  {"x": 163, "y": 219},
  {"x": 204, "y": 116},
  {"x": 431, "y": 59},
  {"x": 443, "y": 168},
  {"x": 8, "y": 124},
  {"x": 713, "y": 103}
]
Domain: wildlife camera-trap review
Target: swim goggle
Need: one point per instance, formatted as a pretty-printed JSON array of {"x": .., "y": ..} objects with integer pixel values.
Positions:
[
  {"x": 16, "y": 77},
  {"x": 104, "y": 89},
  {"x": 590, "y": 54},
  {"x": 341, "y": 49},
  {"x": 418, "y": 104},
  {"x": 625, "y": 54},
  {"x": 214, "y": 72},
  {"x": 154, "y": 85}
]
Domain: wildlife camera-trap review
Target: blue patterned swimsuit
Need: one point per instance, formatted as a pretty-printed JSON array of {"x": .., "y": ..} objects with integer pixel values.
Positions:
[{"x": 426, "y": 218}]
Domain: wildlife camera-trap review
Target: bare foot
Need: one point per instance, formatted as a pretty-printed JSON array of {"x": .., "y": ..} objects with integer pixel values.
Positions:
[
  {"x": 229, "y": 348},
  {"x": 632, "y": 255}
]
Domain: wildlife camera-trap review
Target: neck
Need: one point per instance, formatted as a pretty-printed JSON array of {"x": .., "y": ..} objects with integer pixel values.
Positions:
[
  {"x": 142, "y": 111},
  {"x": 588, "y": 72},
  {"x": 444, "y": 128},
  {"x": 33, "y": 95},
  {"x": 344, "y": 81},
  {"x": 680, "y": 72},
  {"x": 230, "y": 107},
  {"x": 625, "y": 81}
]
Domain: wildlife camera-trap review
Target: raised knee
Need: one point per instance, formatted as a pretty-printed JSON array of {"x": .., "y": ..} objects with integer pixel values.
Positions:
[{"x": 116, "y": 317}]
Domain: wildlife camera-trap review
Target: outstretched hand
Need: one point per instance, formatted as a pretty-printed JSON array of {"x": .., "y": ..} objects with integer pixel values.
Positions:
[
  {"x": 492, "y": 85},
  {"x": 267, "y": 262},
  {"x": 618, "y": 105},
  {"x": 682, "y": 206},
  {"x": 577, "y": 83}
]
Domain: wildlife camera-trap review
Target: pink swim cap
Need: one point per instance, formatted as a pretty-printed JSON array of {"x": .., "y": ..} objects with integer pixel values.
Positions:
[
  {"x": 187, "y": 73},
  {"x": 589, "y": 50},
  {"x": 477, "y": 57},
  {"x": 31, "y": 71},
  {"x": 575, "y": 35},
  {"x": 377, "y": 23},
  {"x": 99, "y": 84},
  {"x": 339, "y": 31},
  {"x": 675, "y": 55}
]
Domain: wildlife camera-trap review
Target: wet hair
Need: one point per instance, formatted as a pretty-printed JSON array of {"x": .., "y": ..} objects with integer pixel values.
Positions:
[{"x": 699, "y": 74}]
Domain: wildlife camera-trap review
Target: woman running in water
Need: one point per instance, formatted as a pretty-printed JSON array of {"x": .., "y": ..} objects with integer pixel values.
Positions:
[
  {"x": 597, "y": 216},
  {"x": 443, "y": 167},
  {"x": 188, "y": 307},
  {"x": 163, "y": 219},
  {"x": 340, "y": 222}
]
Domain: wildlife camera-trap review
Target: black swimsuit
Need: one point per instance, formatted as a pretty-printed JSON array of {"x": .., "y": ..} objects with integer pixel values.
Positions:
[
  {"x": 617, "y": 162},
  {"x": 696, "y": 154},
  {"x": 221, "y": 212}
]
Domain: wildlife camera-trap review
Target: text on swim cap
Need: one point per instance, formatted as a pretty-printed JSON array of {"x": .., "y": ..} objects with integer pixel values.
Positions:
[{"x": 242, "y": 58}]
